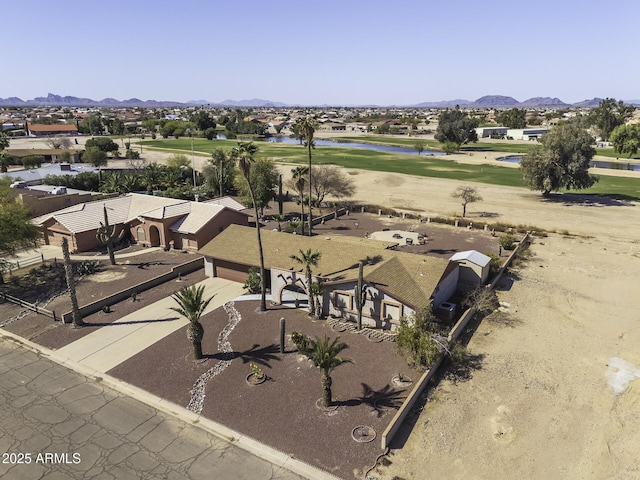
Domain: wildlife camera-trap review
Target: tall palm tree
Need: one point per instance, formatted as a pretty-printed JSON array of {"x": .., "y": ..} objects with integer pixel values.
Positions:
[
  {"x": 191, "y": 306},
  {"x": 326, "y": 356},
  {"x": 298, "y": 179},
  {"x": 308, "y": 259},
  {"x": 244, "y": 153},
  {"x": 68, "y": 271},
  {"x": 308, "y": 126}
]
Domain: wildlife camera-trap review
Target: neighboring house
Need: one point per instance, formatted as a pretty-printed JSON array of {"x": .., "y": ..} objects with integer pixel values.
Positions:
[
  {"x": 43, "y": 199},
  {"x": 40, "y": 130},
  {"x": 37, "y": 175},
  {"x": 474, "y": 268},
  {"x": 49, "y": 155},
  {"x": 398, "y": 283},
  {"x": 151, "y": 221}
]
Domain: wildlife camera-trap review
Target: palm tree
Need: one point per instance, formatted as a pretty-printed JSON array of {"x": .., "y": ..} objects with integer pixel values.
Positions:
[
  {"x": 191, "y": 306},
  {"x": 297, "y": 177},
  {"x": 308, "y": 126},
  {"x": 278, "y": 217},
  {"x": 244, "y": 153},
  {"x": 294, "y": 225},
  {"x": 68, "y": 271},
  {"x": 325, "y": 355},
  {"x": 316, "y": 290},
  {"x": 151, "y": 176},
  {"x": 129, "y": 182},
  {"x": 112, "y": 183},
  {"x": 308, "y": 259}
]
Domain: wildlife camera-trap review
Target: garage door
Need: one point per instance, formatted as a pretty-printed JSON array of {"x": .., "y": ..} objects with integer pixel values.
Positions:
[{"x": 229, "y": 273}]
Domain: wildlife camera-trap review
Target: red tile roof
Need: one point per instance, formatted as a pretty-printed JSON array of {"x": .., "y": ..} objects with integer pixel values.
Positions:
[{"x": 62, "y": 127}]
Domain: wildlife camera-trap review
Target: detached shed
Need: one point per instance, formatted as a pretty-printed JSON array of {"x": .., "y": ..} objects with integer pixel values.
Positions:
[{"x": 474, "y": 268}]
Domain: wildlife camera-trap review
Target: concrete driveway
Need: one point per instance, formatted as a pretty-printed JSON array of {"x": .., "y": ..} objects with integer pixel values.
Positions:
[{"x": 113, "y": 344}]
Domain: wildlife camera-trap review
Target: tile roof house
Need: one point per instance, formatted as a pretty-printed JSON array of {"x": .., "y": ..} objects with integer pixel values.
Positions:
[
  {"x": 41, "y": 130},
  {"x": 398, "y": 283},
  {"x": 150, "y": 221}
]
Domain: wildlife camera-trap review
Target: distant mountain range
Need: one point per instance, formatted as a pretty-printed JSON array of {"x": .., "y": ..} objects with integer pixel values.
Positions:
[{"x": 488, "y": 101}]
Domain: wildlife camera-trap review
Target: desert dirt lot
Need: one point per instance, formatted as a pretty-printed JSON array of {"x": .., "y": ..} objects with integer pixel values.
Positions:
[{"x": 539, "y": 405}]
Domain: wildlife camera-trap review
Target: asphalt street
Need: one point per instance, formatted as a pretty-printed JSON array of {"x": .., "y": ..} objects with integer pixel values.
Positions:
[{"x": 58, "y": 424}]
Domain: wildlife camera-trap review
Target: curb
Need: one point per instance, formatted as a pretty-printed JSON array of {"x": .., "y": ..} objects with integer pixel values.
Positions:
[{"x": 244, "y": 442}]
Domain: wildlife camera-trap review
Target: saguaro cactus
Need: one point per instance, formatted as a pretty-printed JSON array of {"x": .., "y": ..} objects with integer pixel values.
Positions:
[
  {"x": 106, "y": 235},
  {"x": 282, "y": 327},
  {"x": 68, "y": 270},
  {"x": 360, "y": 295}
]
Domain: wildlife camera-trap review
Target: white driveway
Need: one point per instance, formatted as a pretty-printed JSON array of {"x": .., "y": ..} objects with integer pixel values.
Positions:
[{"x": 113, "y": 344}]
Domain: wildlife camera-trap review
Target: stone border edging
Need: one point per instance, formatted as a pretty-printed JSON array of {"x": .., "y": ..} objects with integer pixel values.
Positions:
[
  {"x": 197, "y": 392},
  {"x": 244, "y": 442}
]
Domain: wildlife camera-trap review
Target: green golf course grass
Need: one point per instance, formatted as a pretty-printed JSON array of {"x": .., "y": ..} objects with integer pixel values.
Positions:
[{"x": 436, "y": 167}]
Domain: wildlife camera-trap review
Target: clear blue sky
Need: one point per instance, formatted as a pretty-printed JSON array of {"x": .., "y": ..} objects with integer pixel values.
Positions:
[{"x": 339, "y": 52}]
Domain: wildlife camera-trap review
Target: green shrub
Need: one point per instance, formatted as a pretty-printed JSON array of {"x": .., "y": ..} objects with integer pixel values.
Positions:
[
  {"x": 413, "y": 339},
  {"x": 253, "y": 283},
  {"x": 210, "y": 133},
  {"x": 301, "y": 341},
  {"x": 132, "y": 154},
  {"x": 32, "y": 161},
  {"x": 507, "y": 241},
  {"x": 450, "y": 147},
  {"x": 495, "y": 264}
]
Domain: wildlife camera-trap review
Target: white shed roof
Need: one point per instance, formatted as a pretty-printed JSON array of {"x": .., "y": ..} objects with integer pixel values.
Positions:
[{"x": 472, "y": 256}]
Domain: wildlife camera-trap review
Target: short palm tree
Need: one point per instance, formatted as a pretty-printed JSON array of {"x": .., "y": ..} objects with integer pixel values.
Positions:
[
  {"x": 244, "y": 153},
  {"x": 279, "y": 218},
  {"x": 308, "y": 259},
  {"x": 191, "y": 306},
  {"x": 326, "y": 356}
]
